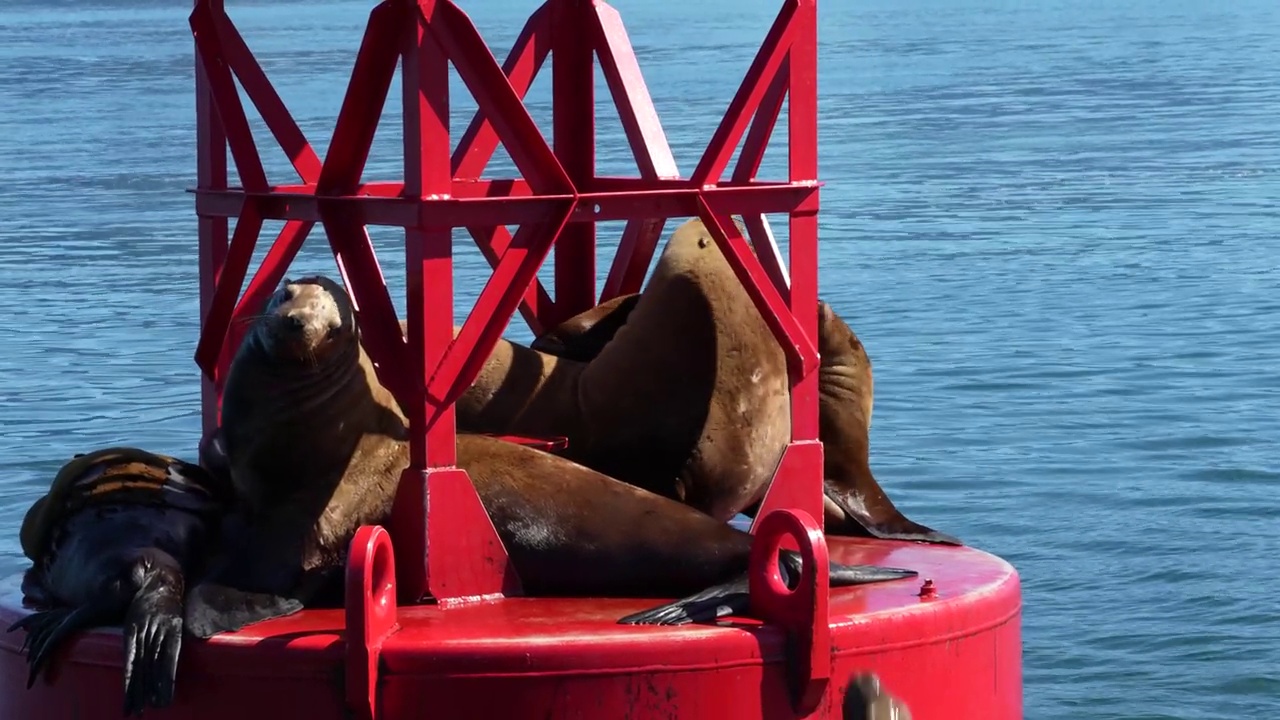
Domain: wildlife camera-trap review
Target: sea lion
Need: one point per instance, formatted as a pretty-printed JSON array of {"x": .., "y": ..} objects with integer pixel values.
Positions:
[
  {"x": 110, "y": 543},
  {"x": 318, "y": 445},
  {"x": 688, "y": 399},
  {"x": 692, "y": 339},
  {"x": 582, "y": 336}
]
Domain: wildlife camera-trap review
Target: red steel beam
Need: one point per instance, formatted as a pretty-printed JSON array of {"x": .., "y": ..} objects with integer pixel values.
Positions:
[
  {"x": 458, "y": 212},
  {"x": 802, "y": 143},
  {"x": 557, "y": 203},
  {"x": 228, "y": 281},
  {"x": 264, "y": 97},
  {"x": 631, "y": 261},
  {"x": 648, "y": 144},
  {"x": 492, "y": 311},
  {"x": 631, "y": 95},
  {"x": 574, "y": 135},
  {"x": 468, "y": 558},
  {"x": 527, "y": 55},
  {"x": 211, "y": 174},
  {"x": 343, "y": 166},
  {"x": 479, "y": 142},
  {"x": 798, "y": 481},
  {"x": 227, "y": 101},
  {"x": 801, "y": 353},
  {"x": 264, "y": 282},
  {"x": 747, "y": 99},
  {"x": 499, "y": 102}
]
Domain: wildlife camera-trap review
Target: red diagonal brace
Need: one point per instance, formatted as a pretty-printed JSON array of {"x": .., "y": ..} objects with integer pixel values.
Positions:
[
  {"x": 763, "y": 68},
  {"x": 802, "y": 356},
  {"x": 527, "y": 55},
  {"x": 228, "y": 280},
  {"x": 631, "y": 261},
  {"x": 536, "y": 303},
  {"x": 231, "y": 112},
  {"x": 343, "y": 166},
  {"x": 479, "y": 142},
  {"x": 635, "y": 107},
  {"x": 478, "y": 335},
  {"x": 766, "y": 119},
  {"x": 264, "y": 97},
  {"x": 264, "y": 282},
  {"x": 498, "y": 100}
]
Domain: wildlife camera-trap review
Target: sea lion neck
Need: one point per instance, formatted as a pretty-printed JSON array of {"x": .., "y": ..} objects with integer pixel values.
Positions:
[{"x": 522, "y": 391}]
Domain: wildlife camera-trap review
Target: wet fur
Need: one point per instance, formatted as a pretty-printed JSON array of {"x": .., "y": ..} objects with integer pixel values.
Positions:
[
  {"x": 855, "y": 504},
  {"x": 569, "y": 530},
  {"x": 116, "y": 560},
  {"x": 688, "y": 399}
]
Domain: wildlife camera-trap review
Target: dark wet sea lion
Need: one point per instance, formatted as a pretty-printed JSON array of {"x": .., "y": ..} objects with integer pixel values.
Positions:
[
  {"x": 688, "y": 399},
  {"x": 110, "y": 543},
  {"x": 320, "y": 452},
  {"x": 854, "y": 503}
]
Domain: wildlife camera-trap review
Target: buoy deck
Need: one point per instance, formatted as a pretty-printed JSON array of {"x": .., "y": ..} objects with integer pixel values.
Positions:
[{"x": 527, "y": 657}]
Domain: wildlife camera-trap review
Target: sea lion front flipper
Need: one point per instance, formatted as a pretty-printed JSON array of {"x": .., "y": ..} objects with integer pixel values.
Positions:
[
  {"x": 212, "y": 608},
  {"x": 884, "y": 522},
  {"x": 732, "y": 598},
  {"x": 152, "y": 644},
  {"x": 715, "y": 602},
  {"x": 584, "y": 335},
  {"x": 47, "y": 630}
]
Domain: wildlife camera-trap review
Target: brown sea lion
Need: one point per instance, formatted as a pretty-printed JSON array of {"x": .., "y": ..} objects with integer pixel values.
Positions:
[
  {"x": 111, "y": 543},
  {"x": 582, "y": 336},
  {"x": 688, "y": 400},
  {"x": 317, "y": 446},
  {"x": 670, "y": 426}
]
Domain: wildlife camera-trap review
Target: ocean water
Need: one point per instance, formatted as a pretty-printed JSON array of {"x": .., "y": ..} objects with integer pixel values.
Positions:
[{"x": 1053, "y": 224}]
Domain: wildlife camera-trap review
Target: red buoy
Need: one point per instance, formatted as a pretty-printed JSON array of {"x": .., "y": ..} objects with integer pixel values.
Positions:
[{"x": 949, "y": 645}]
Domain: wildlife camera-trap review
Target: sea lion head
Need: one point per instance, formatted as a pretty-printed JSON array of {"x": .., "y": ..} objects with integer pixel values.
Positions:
[{"x": 306, "y": 321}]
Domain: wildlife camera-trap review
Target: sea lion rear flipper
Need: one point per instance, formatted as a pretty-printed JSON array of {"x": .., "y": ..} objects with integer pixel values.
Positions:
[
  {"x": 212, "y": 608},
  {"x": 152, "y": 643},
  {"x": 884, "y": 522},
  {"x": 47, "y": 630},
  {"x": 732, "y": 598}
]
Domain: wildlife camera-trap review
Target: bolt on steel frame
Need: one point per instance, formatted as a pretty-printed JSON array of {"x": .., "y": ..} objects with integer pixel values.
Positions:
[{"x": 556, "y": 202}]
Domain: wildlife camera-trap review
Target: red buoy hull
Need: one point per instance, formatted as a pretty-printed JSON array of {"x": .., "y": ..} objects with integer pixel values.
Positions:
[{"x": 950, "y": 654}]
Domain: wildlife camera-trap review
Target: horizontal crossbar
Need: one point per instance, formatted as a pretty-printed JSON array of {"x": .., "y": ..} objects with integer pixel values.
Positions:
[{"x": 379, "y": 204}]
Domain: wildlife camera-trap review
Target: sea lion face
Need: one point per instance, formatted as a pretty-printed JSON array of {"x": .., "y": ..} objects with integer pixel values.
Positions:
[{"x": 306, "y": 321}]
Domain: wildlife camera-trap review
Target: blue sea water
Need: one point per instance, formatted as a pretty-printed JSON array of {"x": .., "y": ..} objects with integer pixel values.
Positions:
[{"x": 1053, "y": 224}]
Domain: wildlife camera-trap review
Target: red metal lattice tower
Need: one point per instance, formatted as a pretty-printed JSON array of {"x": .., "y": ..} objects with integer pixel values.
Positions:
[{"x": 556, "y": 202}]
